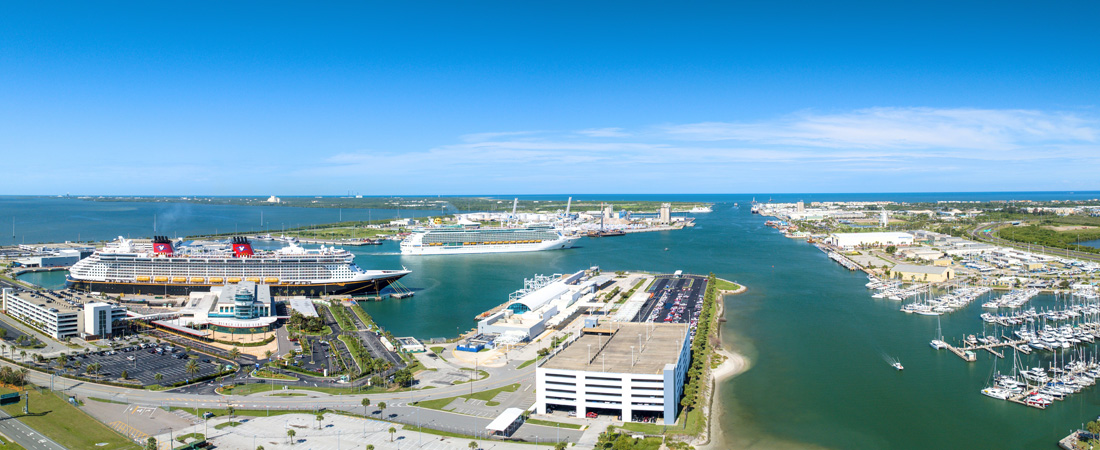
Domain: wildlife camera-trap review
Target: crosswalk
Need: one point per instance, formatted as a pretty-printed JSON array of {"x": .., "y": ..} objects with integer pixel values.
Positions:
[{"x": 128, "y": 431}]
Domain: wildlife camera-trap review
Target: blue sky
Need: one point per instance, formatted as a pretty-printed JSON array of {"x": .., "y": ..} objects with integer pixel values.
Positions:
[{"x": 548, "y": 97}]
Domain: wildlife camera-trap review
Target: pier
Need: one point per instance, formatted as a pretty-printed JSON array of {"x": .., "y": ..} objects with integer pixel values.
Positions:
[{"x": 969, "y": 354}]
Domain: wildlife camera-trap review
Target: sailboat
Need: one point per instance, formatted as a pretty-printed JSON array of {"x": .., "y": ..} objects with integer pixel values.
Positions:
[{"x": 938, "y": 343}]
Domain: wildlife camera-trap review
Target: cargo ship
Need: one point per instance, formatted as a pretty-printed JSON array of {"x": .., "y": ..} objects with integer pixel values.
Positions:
[
  {"x": 164, "y": 267},
  {"x": 454, "y": 241}
]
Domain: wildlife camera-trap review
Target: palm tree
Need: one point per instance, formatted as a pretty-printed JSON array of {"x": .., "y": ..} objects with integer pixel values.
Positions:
[
  {"x": 23, "y": 375},
  {"x": 392, "y": 430},
  {"x": 320, "y": 418},
  {"x": 192, "y": 367},
  {"x": 267, "y": 354},
  {"x": 370, "y": 447},
  {"x": 230, "y": 409},
  {"x": 473, "y": 445},
  {"x": 234, "y": 353},
  {"x": 22, "y": 355},
  {"x": 381, "y": 407},
  {"x": 365, "y": 403},
  {"x": 290, "y": 436}
]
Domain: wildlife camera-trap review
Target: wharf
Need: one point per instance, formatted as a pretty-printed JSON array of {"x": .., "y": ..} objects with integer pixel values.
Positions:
[{"x": 968, "y": 353}]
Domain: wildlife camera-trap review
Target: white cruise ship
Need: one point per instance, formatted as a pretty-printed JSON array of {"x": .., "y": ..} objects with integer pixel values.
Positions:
[
  {"x": 452, "y": 241},
  {"x": 159, "y": 267}
]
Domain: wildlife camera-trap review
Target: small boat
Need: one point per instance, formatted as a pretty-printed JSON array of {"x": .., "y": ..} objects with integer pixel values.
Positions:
[
  {"x": 938, "y": 344},
  {"x": 897, "y": 365}
]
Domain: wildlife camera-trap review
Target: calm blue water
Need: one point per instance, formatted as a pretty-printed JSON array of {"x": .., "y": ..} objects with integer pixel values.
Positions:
[
  {"x": 50, "y": 219},
  {"x": 1094, "y": 244}
]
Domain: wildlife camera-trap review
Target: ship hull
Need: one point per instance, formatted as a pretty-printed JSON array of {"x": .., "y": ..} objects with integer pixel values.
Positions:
[{"x": 361, "y": 287}]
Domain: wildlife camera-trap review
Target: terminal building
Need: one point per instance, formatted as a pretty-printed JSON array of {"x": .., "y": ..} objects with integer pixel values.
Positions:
[
  {"x": 61, "y": 318},
  {"x": 544, "y": 301},
  {"x": 633, "y": 370},
  {"x": 242, "y": 305}
]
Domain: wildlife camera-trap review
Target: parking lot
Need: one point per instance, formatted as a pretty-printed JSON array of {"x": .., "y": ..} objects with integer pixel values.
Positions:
[
  {"x": 674, "y": 300},
  {"x": 143, "y": 364}
]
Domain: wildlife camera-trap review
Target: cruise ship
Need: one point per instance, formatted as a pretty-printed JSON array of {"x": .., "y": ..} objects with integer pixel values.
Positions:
[
  {"x": 161, "y": 267},
  {"x": 451, "y": 241}
]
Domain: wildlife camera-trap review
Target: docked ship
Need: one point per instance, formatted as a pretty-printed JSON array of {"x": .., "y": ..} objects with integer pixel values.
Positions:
[
  {"x": 161, "y": 267},
  {"x": 451, "y": 241}
]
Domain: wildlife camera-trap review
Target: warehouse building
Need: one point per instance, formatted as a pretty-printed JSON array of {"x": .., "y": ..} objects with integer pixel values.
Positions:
[
  {"x": 632, "y": 370},
  {"x": 933, "y": 274}
]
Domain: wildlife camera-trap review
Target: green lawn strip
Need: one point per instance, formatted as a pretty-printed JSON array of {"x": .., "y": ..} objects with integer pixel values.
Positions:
[
  {"x": 353, "y": 343},
  {"x": 358, "y": 310},
  {"x": 289, "y": 394},
  {"x": 547, "y": 423},
  {"x": 726, "y": 285},
  {"x": 526, "y": 363},
  {"x": 65, "y": 424},
  {"x": 226, "y": 425},
  {"x": 195, "y": 436},
  {"x": 693, "y": 418},
  {"x": 103, "y": 400},
  {"x": 341, "y": 315},
  {"x": 217, "y": 412},
  {"x": 263, "y": 373},
  {"x": 486, "y": 396}
]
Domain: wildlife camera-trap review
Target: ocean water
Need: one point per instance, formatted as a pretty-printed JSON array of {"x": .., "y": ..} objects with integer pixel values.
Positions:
[
  {"x": 53, "y": 219},
  {"x": 817, "y": 341}
]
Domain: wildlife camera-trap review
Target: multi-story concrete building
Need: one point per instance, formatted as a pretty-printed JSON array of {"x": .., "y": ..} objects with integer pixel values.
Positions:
[
  {"x": 58, "y": 317},
  {"x": 633, "y": 370}
]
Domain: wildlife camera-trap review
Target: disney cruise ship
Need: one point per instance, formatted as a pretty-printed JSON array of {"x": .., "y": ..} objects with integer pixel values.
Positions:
[
  {"x": 452, "y": 241},
  {"x": 161, "y": 268}
]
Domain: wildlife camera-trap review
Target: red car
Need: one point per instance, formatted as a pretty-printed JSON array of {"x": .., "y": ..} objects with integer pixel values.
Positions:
[{"x": 591, "y": 415}]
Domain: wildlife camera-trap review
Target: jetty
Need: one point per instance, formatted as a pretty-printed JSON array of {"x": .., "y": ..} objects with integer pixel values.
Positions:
[{"x": 969, "y": 353}]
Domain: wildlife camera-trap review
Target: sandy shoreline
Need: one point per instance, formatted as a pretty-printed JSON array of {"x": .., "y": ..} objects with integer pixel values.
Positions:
[{"x": 734, "y": 364}]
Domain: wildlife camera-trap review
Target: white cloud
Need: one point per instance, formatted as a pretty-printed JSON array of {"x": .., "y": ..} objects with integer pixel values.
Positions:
[
  {"x": 603, "y": 132},
  {"x": 861, "y": 150},
  {"x": 903, "y": 128}
]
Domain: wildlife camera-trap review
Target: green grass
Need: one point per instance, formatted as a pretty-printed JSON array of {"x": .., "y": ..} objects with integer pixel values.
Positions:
[
  {"x": 289, "y": 394},
  {"x": 726, "y": 285},
  {"x": 325, "y": 331},
  {"x": 272, "y": 375},
  {"x": 694, "y": 419},
  {"x": 526, "y": 363},
  {"x": 240, "y": 412},
  {"x": 486, "y": 396},
  {"x": 195, "y": 436},
  {"x": 103, "y": 400},
  {"x": 65, "y": 424},
  {"x": 547, "y": 423},
  {"x": 358, "y": 310},
  {"x": 226, "y": 425}
]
